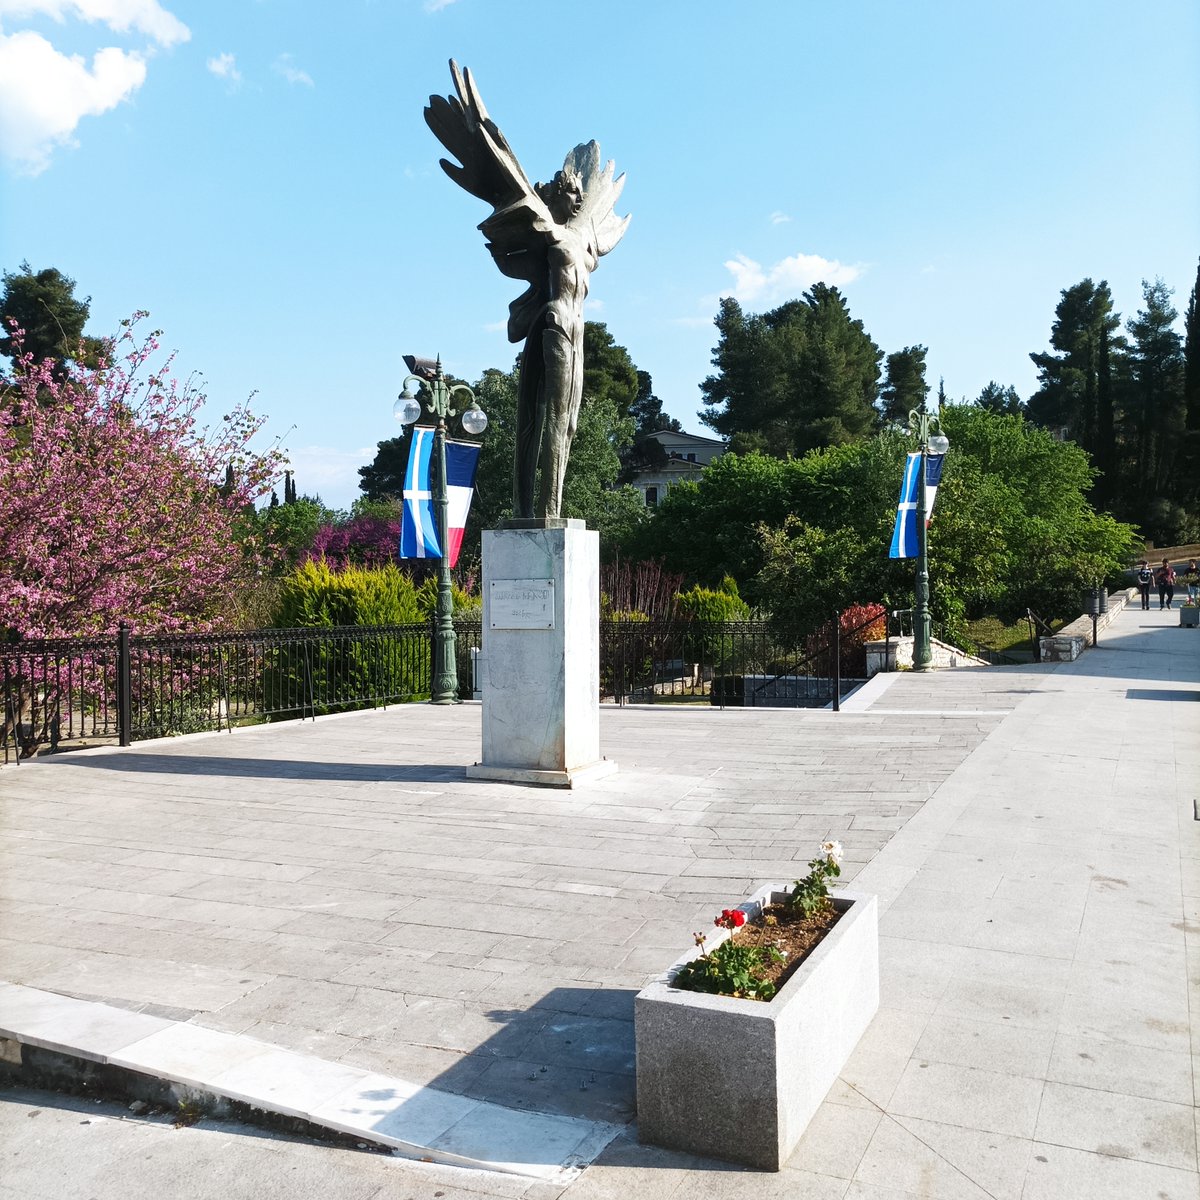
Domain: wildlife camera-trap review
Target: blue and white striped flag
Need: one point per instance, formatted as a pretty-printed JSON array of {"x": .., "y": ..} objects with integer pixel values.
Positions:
[
  {"x": 904, "y": 536},
  {"x": 418, "y": 527}
]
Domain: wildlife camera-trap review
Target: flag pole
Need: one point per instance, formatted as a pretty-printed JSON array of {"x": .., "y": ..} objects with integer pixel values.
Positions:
[
  {"x": 919, "y": 421},
  {"x": 922, "y": 622},
  {"x": 438, "y": 399}
]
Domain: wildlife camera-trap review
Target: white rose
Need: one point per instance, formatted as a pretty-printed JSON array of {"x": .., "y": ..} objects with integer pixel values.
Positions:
[{"x": 832, "y": 850}]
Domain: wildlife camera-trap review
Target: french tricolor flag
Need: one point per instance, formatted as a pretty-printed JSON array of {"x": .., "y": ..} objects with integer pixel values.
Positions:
[{"x": 462, "y": 461}]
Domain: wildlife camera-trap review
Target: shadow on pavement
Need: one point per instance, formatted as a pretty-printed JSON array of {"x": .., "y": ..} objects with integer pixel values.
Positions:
[
  {"x": 140, "y": 762},
  {"x": 570, "y": 1053}
]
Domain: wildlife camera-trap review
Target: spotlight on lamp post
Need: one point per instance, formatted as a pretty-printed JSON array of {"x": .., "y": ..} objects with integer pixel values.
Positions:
[
  {"x": 920, "y": 421},
  {"x": 408, "y": 409}
]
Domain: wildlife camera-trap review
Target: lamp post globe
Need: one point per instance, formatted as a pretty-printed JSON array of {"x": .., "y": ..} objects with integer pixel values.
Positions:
[
  {"x": 474, "y": 421},
  {"x": 407, "y": 409}
]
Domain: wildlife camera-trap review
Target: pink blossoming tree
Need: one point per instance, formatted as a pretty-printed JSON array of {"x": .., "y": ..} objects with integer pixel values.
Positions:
[{"x": 115, "y": 503}]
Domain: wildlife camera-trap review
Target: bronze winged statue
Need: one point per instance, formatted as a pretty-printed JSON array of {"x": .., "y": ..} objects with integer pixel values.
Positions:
[{"x": 550, "y": 236}]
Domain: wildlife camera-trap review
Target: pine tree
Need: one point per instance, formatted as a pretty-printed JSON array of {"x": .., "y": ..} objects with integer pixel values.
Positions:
[
  {"x": 802, "y": 376},
  {"x": 904, "y": 386},
  {"x": 1189, "y": 457},
  {"x": 1076, "y": 393},
  {"x": 1158, "y": 410}
]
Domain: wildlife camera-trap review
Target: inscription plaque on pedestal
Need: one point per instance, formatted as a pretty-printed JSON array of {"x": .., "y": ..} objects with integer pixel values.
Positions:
[{"x": 521, "y": 604}]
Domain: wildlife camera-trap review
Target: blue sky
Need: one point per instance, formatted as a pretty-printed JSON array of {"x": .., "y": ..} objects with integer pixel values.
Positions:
[{"x": 257, "y": 174}]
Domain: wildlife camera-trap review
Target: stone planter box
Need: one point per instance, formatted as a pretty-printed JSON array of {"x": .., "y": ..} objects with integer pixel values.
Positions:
[
  {"x": 741, "y": 1079},
  {"x": 1189, "y": 616}
]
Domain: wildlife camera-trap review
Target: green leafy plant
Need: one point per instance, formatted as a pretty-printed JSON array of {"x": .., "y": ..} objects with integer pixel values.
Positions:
[
  {"x": 811, "y": 894},
  {"x": 729, "y": 969}
]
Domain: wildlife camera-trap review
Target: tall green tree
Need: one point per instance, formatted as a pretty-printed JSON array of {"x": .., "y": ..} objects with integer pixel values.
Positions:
[
  {"x": 1189, "y": 463},
  {"x": 1158, "y": 411},
  {"x": 904, "y": 386},
  {"x": 997, "y": 399},
  {"x": 43, "y": 304},
  {"x": 646, "y": 453},
  {"x": 799, "y": 377},
  {"x": 1075, "y": 392},
  {"x": 647, "y": 410},
  {"x": 608, "y": 371}
]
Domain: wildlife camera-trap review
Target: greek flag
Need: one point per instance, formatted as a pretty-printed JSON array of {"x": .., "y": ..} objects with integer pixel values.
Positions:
[
  {"x": 904, "y": 536},
  {"x": 418, "y": 528}
]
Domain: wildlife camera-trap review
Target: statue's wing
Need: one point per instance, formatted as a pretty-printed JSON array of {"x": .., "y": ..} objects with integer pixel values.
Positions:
[
  {"x": 600, "y": 193},
  {"x": 490, "y": 170}
]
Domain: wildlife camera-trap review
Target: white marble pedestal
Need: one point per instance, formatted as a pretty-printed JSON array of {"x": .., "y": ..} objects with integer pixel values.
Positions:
[{"x": 540, "y": 668}]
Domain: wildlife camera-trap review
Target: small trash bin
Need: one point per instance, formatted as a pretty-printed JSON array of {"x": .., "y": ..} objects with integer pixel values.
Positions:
[{"x": 1095, "y": 602}]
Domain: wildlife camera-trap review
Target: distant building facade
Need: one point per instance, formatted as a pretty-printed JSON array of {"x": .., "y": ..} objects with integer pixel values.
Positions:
[{"x": 687, "y": 454}]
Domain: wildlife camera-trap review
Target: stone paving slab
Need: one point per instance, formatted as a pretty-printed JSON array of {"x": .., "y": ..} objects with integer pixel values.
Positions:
[{"x": 1032, "y": 877}]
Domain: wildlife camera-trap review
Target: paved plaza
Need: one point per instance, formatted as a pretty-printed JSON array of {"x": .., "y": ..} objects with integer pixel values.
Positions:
[{"x": 339, "y": 889}]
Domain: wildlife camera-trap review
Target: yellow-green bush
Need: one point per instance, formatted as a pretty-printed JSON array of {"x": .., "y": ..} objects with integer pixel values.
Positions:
[
  {"x": 348, "y": 673},
  {"x": 466, "y": 606},
  {"x": 707, "y": 604},
  {"x": 316, "y": 594}
]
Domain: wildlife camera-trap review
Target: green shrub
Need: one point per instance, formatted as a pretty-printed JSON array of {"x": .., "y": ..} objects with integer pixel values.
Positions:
[
  {"x": 707, "y": 604},
  {"x": 710, "y": 610},
  {"x": 316, "y": 594},
  {"x": 347, "y": 674},
  {"x": 466, "y": 606}
]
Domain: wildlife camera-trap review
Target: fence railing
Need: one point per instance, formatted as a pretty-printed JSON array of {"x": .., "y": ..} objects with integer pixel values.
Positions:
[
  {"x": 731, "y": 664},
  {"x": 126, "y": 688}
]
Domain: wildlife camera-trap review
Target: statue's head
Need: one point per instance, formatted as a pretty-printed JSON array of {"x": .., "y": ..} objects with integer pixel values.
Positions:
[{"x": 563, "y": 195}]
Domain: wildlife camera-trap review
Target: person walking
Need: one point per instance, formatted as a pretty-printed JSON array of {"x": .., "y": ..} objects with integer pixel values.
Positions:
[
  {"x": 1192, "y": 578},
  {"x": 1145, "y": 577},
  {"x": 1165, "y": 578}
]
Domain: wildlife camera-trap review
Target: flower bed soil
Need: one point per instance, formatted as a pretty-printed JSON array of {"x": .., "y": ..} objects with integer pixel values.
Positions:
[{"x": 790, "y": 932}]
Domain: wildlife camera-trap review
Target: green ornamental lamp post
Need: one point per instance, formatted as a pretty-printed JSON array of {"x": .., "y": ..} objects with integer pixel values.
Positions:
[
  {"x": 408, "y": 410},
  {"x": 920, "y": 421}
]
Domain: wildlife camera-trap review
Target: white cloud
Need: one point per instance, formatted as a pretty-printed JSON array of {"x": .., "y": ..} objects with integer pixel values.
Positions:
[
  {"x": 779, "y": 218},
  {"x": 224, "y": 66},
  {"x": 284, "y": 66},
  {"x": 788, "y": 277},
  {"x": 121, "y": 16},
  {"x": 45, "y": 94},
  {"x": 432, "y": 6}
]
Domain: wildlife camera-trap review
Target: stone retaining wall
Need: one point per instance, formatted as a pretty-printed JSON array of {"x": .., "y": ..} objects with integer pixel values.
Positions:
[
  {"x": 1071, "y": 640},
  {"x": 897, "y": 654}
]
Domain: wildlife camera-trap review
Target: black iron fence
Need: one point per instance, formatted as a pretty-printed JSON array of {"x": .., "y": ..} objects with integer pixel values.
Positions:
[
  {"x": 125, "y": 688},
  {"x": 728, "y": 664},
  {"x": 83, "y": 691}
]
